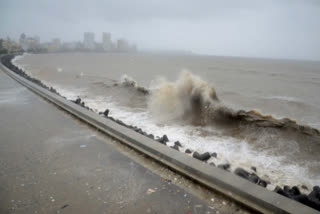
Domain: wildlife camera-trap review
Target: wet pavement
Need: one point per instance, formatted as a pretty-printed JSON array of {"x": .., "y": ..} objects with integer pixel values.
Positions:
[{"x": 51, "y": 162}]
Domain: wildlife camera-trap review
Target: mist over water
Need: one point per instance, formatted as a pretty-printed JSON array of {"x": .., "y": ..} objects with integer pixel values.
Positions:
[{"x": 206, "y": 108}]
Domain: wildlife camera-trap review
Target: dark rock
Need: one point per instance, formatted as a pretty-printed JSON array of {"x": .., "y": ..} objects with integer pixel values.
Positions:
[
  {"x": 315, "y": 204},
  {"x": 177, "y": 143},
  {"x": 203, "y": 157},
  {"x": 315, "y": 194},
  {"x": 136, "y": 129},
  {"x": 53, "y": 90},
  {"x": 188, "y": 151},
  {"x": 160, "y": 140},
  {"x": 304, "y": 187},
  {"x": 294, "y": 191},
  {"x": 254, "y": 168},
  {"x": 250, "y": 177},
  {"x": 263, "y": 183},
  {"x": 212, "y": 164},
  {"x": 175, "y": 147},
  {"x": 214, "y": 154},
  {"x": 280, "y": 191},
  {"x": 106, "y": 113},
  {"x": 120, "y": 122},
  {"x": 242, "y": 173},
  {"x": 77, "y": 101},
  {"x": 64, "y": 206},
  {"x": 254, "y": 178},
  {"x": 165, "y": 138},
  {"x": 286, "y": 188},
  {"x": 224, "y": 166},
  {"x": 312, "y": 200}
]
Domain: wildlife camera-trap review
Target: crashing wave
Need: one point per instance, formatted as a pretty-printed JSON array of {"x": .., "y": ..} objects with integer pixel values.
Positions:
[
  {"x": 190, "y": 97},
  {"x": 128, "y": 81}
]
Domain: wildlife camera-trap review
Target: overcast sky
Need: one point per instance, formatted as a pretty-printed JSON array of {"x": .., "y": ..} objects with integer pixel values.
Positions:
[{"x": 257, "y": 28}]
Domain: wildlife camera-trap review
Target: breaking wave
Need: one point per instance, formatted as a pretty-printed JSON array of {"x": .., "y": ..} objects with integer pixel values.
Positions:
[
  {"x": 128, "y": 81},
  {"x": 192, "y": 99},
  {"x": 189, "y": 98}
]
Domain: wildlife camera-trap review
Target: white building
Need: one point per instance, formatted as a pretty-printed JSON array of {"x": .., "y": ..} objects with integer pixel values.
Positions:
[
  {"x": 88, "y": 40},
  {"x": 106, "y": 42},
  {"x": 122, "y": 45}
]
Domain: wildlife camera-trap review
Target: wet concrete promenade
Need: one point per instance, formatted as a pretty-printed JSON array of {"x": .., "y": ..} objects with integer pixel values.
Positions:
[{"x": 51, "y": 162}]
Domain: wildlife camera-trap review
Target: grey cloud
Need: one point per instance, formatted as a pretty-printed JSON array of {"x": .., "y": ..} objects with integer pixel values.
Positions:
[{"x": 270, "y": 28}]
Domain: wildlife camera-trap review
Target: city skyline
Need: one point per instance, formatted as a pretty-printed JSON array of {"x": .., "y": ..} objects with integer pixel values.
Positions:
[
  {"x": 88, "y": 43},
  {"x": 16, "y": 38}
]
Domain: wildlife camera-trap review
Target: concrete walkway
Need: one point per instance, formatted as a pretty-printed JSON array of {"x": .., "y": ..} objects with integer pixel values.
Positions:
[{"x": 52, "y": 163}]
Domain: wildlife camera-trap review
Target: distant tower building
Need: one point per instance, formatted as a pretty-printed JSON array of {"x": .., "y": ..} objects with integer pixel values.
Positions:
[
  {"x": 88, "y": 40},
  {"x": 122, "y": 45},
  {"x": 106, "y": 42},
  {"x": 23, "y": 38},
  {"x": 23, "y": 42}
]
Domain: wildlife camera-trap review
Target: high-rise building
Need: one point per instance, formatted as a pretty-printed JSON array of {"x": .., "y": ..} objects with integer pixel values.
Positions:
[
  {"x": 88, "y": 40},
  {"x": 23, "y": 41},
  {"x": 23, "y": 38},
  {"x": 122, "y": 45},
  {"x": 106, "y": 42}
]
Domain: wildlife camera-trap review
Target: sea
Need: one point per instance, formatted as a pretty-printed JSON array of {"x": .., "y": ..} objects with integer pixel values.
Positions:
[{"x": 190, "y": 99}]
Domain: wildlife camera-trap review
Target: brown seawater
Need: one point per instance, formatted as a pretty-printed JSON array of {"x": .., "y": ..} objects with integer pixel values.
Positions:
[{"x": 196, "y": 100}]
